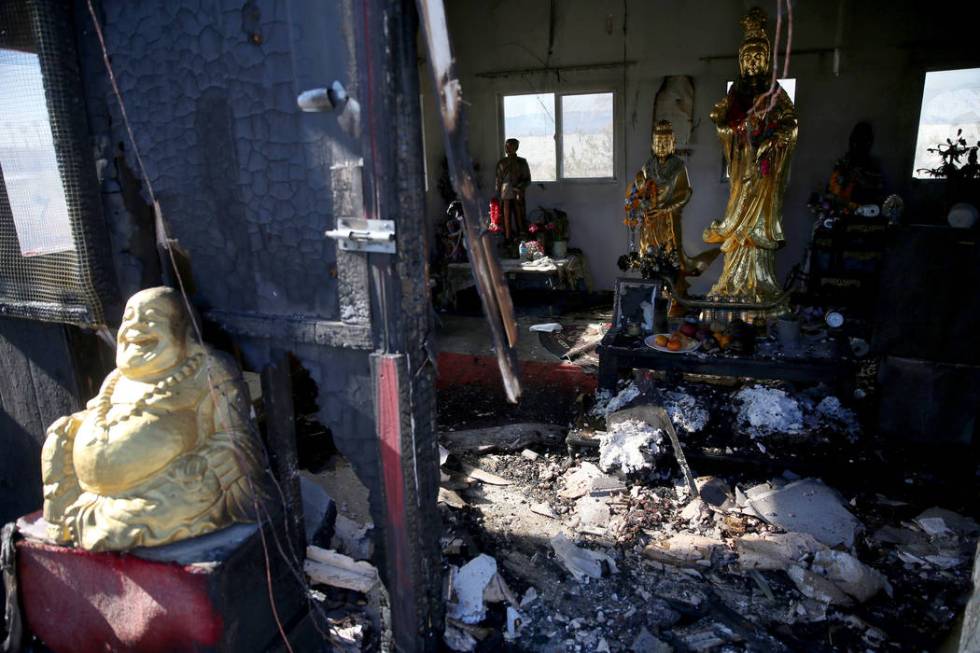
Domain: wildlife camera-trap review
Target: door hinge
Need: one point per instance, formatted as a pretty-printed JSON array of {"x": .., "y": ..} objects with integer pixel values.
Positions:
[{"x": 360, "y": 235}]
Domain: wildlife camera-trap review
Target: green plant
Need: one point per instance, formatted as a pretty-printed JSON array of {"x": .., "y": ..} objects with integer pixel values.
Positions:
[{"x": 952, "y": 153}]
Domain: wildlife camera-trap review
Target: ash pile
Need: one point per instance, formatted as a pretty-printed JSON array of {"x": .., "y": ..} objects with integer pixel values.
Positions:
[{"x": 598, "y": 536}]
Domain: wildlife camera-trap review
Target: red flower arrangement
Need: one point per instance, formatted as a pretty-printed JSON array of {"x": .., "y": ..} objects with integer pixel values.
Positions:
[{"x": 494, "y": 216}]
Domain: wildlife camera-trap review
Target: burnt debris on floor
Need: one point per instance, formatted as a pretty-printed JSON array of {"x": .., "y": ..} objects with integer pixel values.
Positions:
[{"x": 798, "y": 529}]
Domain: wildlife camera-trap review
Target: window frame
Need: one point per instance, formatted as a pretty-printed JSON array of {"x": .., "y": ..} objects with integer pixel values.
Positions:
[{"x": 559, "y": 130}]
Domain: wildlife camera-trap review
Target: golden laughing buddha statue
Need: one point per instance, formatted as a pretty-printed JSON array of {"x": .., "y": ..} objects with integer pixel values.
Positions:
[
  {"x": 758, "y": 134},
  {"x": 164, "y": 452}
]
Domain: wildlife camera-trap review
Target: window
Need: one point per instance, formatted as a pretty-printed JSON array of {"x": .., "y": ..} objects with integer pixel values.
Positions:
[
  {"x": 54, "y": 264},
  {"x": 587, "y": 136},
  {"x": 531, "y": 120},
  {"x": 788, "y": 84},
  {"x": 563, "y": 136},
  {"x": 950, "y": 102},
  {"x": 28, "y": 159}
]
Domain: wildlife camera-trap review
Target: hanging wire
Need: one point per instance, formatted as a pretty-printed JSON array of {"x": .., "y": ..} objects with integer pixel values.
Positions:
[{"x": 770, "y": 97}]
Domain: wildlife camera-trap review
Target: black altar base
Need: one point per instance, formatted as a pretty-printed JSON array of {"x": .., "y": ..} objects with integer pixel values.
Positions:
[{"x": 619, "y": 354}]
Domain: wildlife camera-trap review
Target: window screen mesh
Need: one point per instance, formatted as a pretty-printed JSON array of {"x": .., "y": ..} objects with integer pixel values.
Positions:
[{"x": 45, "y": 199}]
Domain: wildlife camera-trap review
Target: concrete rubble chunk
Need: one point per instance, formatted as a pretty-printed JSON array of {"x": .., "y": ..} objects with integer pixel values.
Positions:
[
  {"x": 581, "y": 563},
  {"x": 806, "y": 506},
  {"x": 775, "y": 551}
]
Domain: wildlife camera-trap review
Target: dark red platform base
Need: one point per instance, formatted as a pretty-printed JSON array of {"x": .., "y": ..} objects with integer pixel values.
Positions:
[
  {"x": 205, "y": 594},
  {"x": 462, "y": 369}
]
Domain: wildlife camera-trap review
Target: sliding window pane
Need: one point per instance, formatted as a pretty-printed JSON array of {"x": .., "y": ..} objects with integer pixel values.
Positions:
[
  {"x": 587, "y": 136},
  {"x": 531, "y": 120}
]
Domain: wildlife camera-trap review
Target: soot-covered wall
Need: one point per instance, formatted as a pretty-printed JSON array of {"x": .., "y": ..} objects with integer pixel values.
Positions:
[
  {"x": 885, "y": 48},
  {"x": 243, "y": 178}
]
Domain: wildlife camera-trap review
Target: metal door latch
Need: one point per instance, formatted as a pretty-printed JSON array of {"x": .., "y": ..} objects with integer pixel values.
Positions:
[{"x": 360, "y": 235}]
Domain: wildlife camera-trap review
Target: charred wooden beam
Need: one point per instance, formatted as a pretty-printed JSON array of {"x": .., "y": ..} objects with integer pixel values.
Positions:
[{"x": 490, "y": 282}]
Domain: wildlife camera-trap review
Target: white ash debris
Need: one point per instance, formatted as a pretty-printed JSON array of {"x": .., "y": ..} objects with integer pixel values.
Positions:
[
  {"x": 685, "y": 411},
  {"x": 765, "y": 411},
  {"x": 606, "y": 403},
  {"x": 832, "y": 412},
  {"x": 629, "y": 447}
]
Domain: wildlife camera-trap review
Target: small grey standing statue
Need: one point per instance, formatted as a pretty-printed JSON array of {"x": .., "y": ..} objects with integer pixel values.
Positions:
[{"x": 513, "y": 178}]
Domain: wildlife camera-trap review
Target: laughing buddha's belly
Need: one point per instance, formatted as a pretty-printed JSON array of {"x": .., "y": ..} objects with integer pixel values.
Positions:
[{"x": 135, "y": 452}]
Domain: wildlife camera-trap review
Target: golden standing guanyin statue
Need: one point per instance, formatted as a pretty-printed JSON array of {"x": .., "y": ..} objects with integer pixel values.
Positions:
[
  {"x": 758, "y": 134},
  {"x": 166, "y": 451},
  {"x": 654, "y": 202}
]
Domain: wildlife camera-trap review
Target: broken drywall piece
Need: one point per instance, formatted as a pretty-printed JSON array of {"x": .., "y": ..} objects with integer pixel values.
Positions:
[
  {"x": 469, "y": 583},
  {"x": 581, "y": 563},
  {"x": 451, "y": 498},
  {"x": 544, "y": 510},
  {"x": 593, "y": 514},
  {"x": 515, "y": 620},
  {"x": 482, "y": 475},
  {"x": 685, "y": 548},
  {"x": 353, "y": 538},
  {"x": 530, "y": 596},
  {"x": 337, "y": 570},
  {"x": 938, "y": 520},
  {"x": 579, "y": 481},
  {"x": 458, "y": 639},
  {"x": 775, "y": 551},
  {"x": 629, "y": 446},
  {"x": 849, "y": 574},
  {"x": 815, "y": 586},
  {"x": 805, "y": 506}
]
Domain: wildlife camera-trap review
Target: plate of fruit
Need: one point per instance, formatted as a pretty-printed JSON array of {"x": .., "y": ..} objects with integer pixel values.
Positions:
[{"x": 672, "y": 343}]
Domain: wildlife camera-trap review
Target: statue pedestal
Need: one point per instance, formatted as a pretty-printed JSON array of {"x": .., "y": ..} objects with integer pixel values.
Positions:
[{"x": 208, "y": 593}]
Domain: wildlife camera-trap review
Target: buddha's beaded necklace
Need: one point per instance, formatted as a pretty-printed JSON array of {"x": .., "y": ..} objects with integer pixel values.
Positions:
[{"x": 186, "y": 370}]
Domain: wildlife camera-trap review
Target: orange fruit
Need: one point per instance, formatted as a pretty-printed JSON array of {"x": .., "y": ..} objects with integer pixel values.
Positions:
[
  {"x": 661, "y": 340},
  {"x": 674, "y": 345}
]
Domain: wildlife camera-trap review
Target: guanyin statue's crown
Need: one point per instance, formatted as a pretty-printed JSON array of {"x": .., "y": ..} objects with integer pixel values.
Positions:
[{"x": 754, "y": 24}]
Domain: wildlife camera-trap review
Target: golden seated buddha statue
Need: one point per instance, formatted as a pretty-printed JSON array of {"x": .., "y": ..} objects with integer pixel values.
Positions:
[{"x": 166, "y": 451}]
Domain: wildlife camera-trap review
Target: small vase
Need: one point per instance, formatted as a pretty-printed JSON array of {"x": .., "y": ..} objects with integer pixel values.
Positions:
[{"x": 559, "y": 249}]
